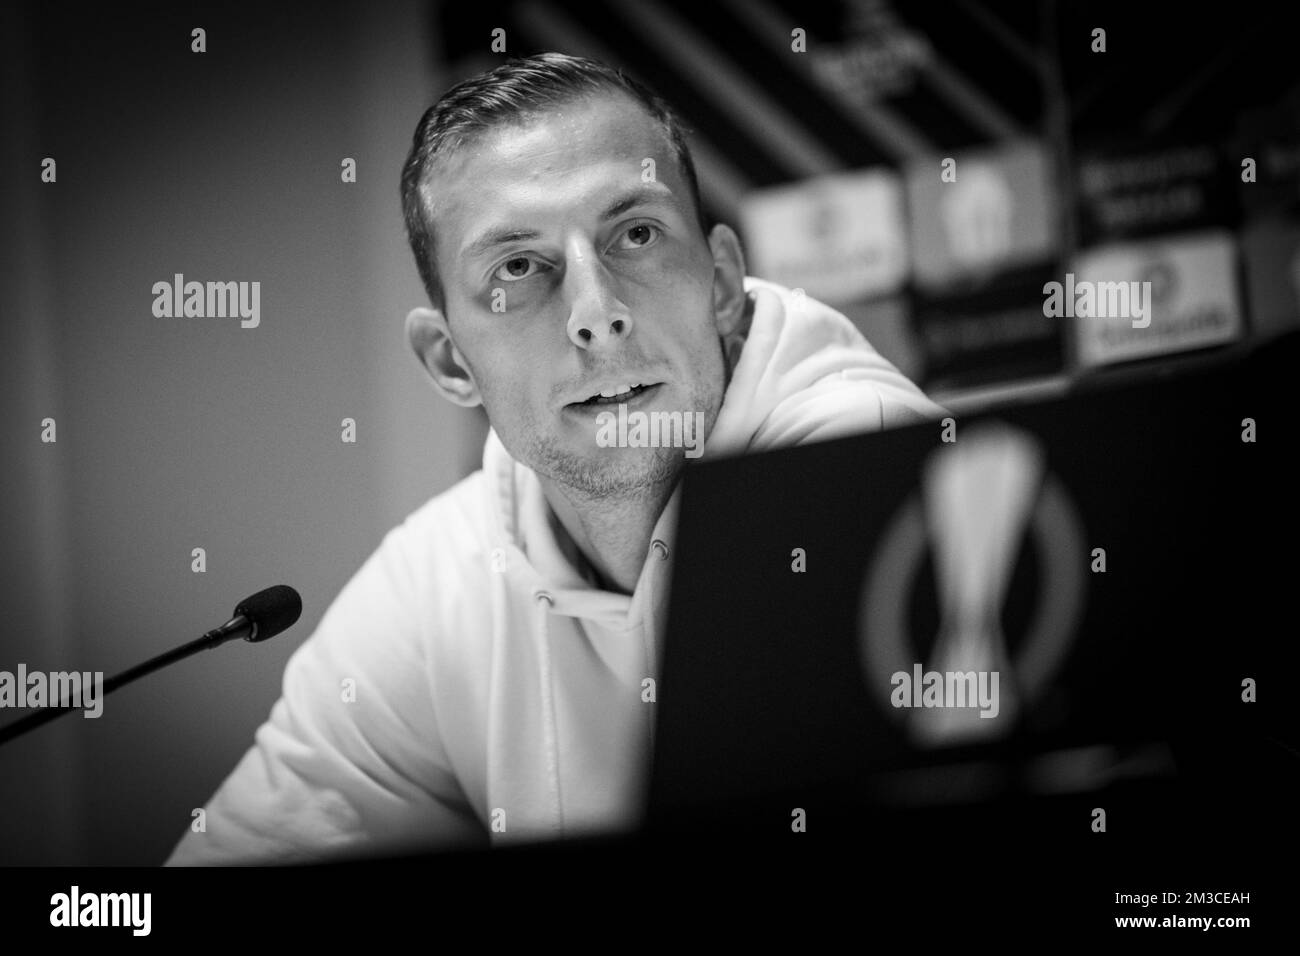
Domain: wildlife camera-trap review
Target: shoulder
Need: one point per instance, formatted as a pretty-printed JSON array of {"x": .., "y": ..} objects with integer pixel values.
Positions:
[
  {"x": 462, "y": 511},
  {"x": 444, "y": 538},
  {"x": 410, "y": 589}
]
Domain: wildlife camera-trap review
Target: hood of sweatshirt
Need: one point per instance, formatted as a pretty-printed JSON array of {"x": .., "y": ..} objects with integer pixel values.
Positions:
[{"x": 798, "y": 371}]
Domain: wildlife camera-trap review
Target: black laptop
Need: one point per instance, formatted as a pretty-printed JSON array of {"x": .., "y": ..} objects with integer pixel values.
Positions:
[{"x": 1078, "y": 605}]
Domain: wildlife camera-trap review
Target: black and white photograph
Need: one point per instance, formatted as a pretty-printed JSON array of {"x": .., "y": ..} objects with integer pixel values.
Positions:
[{"x": 649, "y": 467}]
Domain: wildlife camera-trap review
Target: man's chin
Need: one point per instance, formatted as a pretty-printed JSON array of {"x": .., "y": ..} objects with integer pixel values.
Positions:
[{"x": 613, "y": 472}]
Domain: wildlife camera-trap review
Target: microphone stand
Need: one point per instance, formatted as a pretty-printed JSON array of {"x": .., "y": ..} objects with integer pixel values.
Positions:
[{"x": 213, "y": 638}]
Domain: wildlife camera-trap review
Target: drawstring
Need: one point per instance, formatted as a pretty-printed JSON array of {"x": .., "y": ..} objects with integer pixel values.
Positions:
[
  {"x": 545, "y": 603},
  {"x": 549, "y": 730},
  {"x": 660, "y": 548}
]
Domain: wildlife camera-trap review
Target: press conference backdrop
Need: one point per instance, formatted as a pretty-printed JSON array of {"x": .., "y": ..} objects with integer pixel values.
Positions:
[{"x": 928, "y": 168}]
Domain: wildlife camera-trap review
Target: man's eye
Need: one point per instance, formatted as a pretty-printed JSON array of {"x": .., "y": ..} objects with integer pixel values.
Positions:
[
  {"x": 518, "y": 267},
  {"x": 640, "y": 235}
]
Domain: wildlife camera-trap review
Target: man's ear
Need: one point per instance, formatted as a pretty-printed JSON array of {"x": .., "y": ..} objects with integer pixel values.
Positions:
[
  {"x": 729, "y": 300},
  {"x": 430, "y": 337}
]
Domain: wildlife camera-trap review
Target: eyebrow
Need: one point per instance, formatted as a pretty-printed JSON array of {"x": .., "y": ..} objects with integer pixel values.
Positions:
[
  {"x": 498, "y": 237},
  {"x": 644, "y": 194}
]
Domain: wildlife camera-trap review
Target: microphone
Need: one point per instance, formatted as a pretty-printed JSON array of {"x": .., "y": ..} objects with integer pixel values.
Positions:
[{"x": 255, "y": 619}]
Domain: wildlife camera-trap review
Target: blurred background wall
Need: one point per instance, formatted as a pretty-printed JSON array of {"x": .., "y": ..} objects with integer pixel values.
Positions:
[
  {"x": 174, "y": 434},
  {"x": 822, "y": 131}
]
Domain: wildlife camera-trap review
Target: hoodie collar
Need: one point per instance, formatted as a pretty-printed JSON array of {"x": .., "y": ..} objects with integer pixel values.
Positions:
[{"x": 521, "y": 521}]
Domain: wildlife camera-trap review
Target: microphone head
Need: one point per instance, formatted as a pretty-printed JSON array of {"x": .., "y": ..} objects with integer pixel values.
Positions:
[{"x": 271, "y": 611}]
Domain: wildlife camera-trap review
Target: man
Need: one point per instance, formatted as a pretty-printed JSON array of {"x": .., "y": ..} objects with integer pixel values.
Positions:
[{"x": 498, "y": 641}]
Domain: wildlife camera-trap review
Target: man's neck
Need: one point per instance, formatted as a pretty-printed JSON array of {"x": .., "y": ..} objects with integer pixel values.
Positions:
[{"x": 612, "y": 534}]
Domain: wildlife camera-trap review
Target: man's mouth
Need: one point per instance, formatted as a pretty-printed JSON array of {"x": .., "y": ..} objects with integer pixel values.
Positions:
[{"x": 617, "y": 394}]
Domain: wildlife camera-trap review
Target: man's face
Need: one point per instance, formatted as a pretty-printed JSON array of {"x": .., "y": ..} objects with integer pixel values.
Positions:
[{"x": 572, "y": 263}]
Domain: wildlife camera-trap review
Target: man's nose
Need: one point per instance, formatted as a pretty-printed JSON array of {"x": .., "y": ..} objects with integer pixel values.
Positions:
[{"x": 597, "y": 317}]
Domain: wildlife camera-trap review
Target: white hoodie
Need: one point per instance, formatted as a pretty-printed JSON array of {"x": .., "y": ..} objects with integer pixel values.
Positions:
[{"x": 497, "y": 692}]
